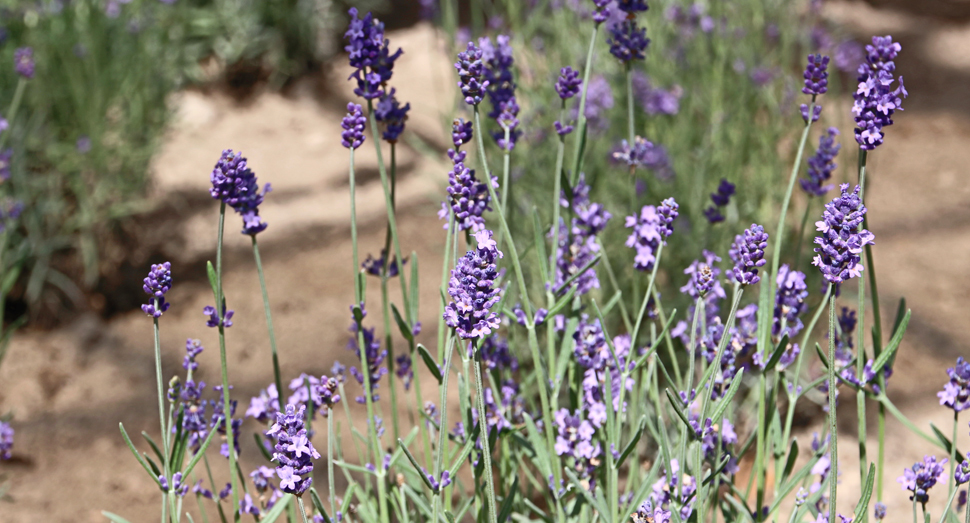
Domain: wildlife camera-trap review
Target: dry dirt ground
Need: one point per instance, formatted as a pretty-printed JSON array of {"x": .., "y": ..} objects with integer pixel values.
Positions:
[{"x": 70, "y": 387}]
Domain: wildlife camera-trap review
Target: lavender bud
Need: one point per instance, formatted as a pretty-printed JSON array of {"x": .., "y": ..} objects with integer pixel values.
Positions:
[
  {"x": 156, "y": 284},
  {"x": 751, "y": 254},
  {"x": 816, "y": 75},
  {"x": 822, "y": 164},
  {"x": 471, "y": 74},
  {"x": 569, "y": 82},
  {"x": 353, "y": 125}
]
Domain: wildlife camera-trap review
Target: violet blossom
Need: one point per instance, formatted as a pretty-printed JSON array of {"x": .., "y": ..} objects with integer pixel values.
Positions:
[
  {"x": 472, "y": 292},
  {"x": 822, "y": 164},
  {"x": 840, "y": 245},
  {"x": 156, "y": 285},
  {"x": 875, "y": 99}
]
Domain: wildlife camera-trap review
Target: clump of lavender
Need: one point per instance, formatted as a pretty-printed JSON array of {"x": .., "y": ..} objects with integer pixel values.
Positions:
[
  {"x": 353, "y": 125},
  {"x": 372, "y": 357},
  {"x": 468, "y": 198},
  {"x": 644, "y": 153},
  {"x": 234, "y": 183},
  {"x": 578, "y": 244},
  {"x": 750, "y": 255},
  {"x": 471, "y": 74},
  {"x": 6, "y": 440},
  {"x": 472, "y": 292},
  {"x": 875, "y": 99},
  {"x": 720, "y": 199},
  {"x": 956, "y": 392},
  {"x": 501, "y": 88},
  {"x": 156, "y": 284},
  {"x": 822, "y": 164},
  {"x": 650, "y": 229},
  {"x": 922, "y": 477},
  {"x": 294, "y": 451},
  {"x": 391, "y": 115},
  {"x": 840, "y": 246},
  {"x": 593, "y": 355},
  {"x": 628, "y": 41},
  {"x": 369, "y": 55},
  {"x": 23, "y": 59}
]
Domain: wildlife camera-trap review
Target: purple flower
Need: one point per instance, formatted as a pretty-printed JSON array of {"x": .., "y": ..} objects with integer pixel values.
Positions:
[
  {"x": 631, "y": 7},
  {"x": 762, "y": 76},
  {"x": 602, "y": 12},
  {"x": 501, "y": 88},
  {"x": 23, "y": 59},
  {"x": 496, "y": 354},
  {"x": 822, "y": 164},
  {"x": 6, "y": 156},
  {"x": 956, "y": 392},
  {"x": 192, "y": 350},
  {"x": 751, "y": 255},
  {"x": 437, "y": 485},
  {"x": 879, "y": 511},
  {"x": 471, "y": 74},
  {"x": 353, "y": 125},
  {"x": 568, "y": 83},
  {"x": 816, "y": 75},
  {"x": 265, "y": 406},
  {"x": 593, "y": 355},
  {"x": 578, "y": 244},
  {"x": 648, "y": 513},
  {"x": 840, "y": 245},
  {"x": 198, "y": 490},
  {"x": 921, "y": 477},
  {"x": 404, "y": 370},
  {"x": 461, "y": 132},
  {"x": 574, "y": 439},
  {"x": 875, "y": 100},
  {"x": 650, "y": 228},
  {"x": 375, "y": 266},
  {"x": 372, "y": 357},
  {"x": 6, "y": 440},
  {"x": 628, "y": 41},
  {"x": 234, "y": 183},
  {"x": 214, "y": 319},
  {"x": 654, "y": 100},
  {"x": 721, "y": 198},
  {"x": 816, "y": 112},
  {"x": 83, "y": 145},
  {"x": 962, "y": 472},
  {"x": 789, "y": 303},
  {"x": 848, "y": 55},
  {"x": 472, "y": 292},
  {"x": 391, "y": 115},
  {"x": 294, "y": 451},
  {"x": 644, "y": 154},
  {"x": 468, "y": 198},
  {"x": 369, "y": 55},
  {"x": 328, "y": 391},
  {"x": 599, "y": 101},
  {"x": 156, "y": 284}
]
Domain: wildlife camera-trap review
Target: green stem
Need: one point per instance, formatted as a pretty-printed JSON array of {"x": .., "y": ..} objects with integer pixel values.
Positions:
[
  {"x": 353, "y": 226},
  {"x": 330, "y": 436},
  {"x": 299, "y": 499},
  {"x": 385, "y": 301},
  {"x": 860, "y": 343},
  {"x": 18, "y": 96},
  {"x": 949, "y": 501},
  {"x": 269, "y": 316},
  {"x": 630, "y": 118},
  {"x": 486, "y": 451},
  {"x": 833, "y": 419},
  {"x": 581, "y": 117},
  {"x": 442, "y": 431},
  {"x": 953, "y": 458}
]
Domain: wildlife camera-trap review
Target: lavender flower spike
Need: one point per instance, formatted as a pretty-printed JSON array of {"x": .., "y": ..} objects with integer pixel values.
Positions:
[
  {"x": 628, "y": 41},
  {"x": 6, "y": 440},
  {"x": 822, "y": 164},
  {"x": 391, "y": 115},
  {"x": 569, "y": 82},
  {"x": 472, "y": 292},
  {"x": 353, "y": 125},
  {"x": 751, "y": 255},
  {"x": 816, "y": 75},
  {"x": 294, "y": 451},
  {"x": 650, "y": 228},
  {"x": 234, "y": 183},
  {"x": 23, "y": 59},
  {"x": 471, "y": 74},
  {"x": 956, "y": 392},
  {"x": 157, "y": 283},
  {"x": 839, "y": 250},
  {"x": 875, "y": 100},
  {"x": 921, "y": 477}
]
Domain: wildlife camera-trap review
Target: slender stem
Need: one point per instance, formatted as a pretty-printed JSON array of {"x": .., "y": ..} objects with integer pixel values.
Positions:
[
  {"x": 269, "y": 316},
  {"x": 18, "y": 96},
  {"x": 353, "y": 222},
  {"x": 299, "y": 499},
  {"x": 833, "y": 419},
  {"x": 506, "y": 160},
  {"x": 949, "y": 501},
  {"x": 860, "y": 343},
  {"x": 953, "y": 457},
  {"x": 486, "y": 451},
  {"x": 224, "y": 366},
  {"x": 761, "y": 470},
  {"x": 161, "y": 391},
  {"x": 330, "y": 436},
  {"x": 884, "y": 400},
  {"x": 630, "y": 118},
  {"x": 581, "y": 117},
  {"x": 801, "y": 236},
  {"x": 442, "y": 432},
  {"x": 385, "y": 300}
]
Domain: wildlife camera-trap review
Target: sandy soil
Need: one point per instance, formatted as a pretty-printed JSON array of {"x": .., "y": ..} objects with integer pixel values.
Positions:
[{"x": 69, "y": 387}]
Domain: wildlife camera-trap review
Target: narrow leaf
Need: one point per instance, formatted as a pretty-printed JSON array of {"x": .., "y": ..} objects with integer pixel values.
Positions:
[
  {"x": 776, "y": 355},
  {"x": 679, "y": 410},
  {"x": 318, "y": 504},
  {"x": 728, "y": 396},
  {"x": 213, "y": 279},
  {"x": 200, "y": 453},
  {"x": 277, "y": 509},
  {"x": 134, "y": 452},
  {"x": 890, "y": 351},
  {"x": 633, "y": 442},
  {"x": 540, "y": 244},
  {"x": 414, "y": 463},
  {"x": 415, "y": 287},
  {"x": 503, "y": 514},
  {"x": 792, "y": 457},
  {"x": 114, "y": 517},
  {"x": 151, "y": 443},
  {"x": 401, "y": 324},
  {"x": 863, "y": 507},
  {"x": 430, "y": 363}
]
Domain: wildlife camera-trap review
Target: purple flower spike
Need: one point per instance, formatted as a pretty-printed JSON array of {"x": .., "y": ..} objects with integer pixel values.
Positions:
[
  {"x": 650, "y": 513},
  {"x": 704, "y": 280},
  {"x": 789, "y": 303},
  {"x": 879, "y": 511},
  {"x": 577, "y": 244},
  {"x": 372, "y": 357},
  {"x": 353, "y": 125},
  {"x": 822, "y": 164},
  {"x": 369, "y": 55},
  {"x": 214, "y": 320},
  {"x": 628, "y": 41},
  {"x": 921, "y": 477},
  {"x": 816, "y": 75},
  {"x": 751, "y": 255},
  {"x": 568, "y": 84},
  {"x": 956, "y": 392},
  {"x": 6, "y": 440},
  {"x": 391, "y": 115},
  {"x": 575, "y": 439},
  {"x": 840, "y": 246},
  {"x": 471, "y": 74},
  {"x": 234, "y": 183},
  {"x": 472, "y": 292},
  {"x": 962, "y": 472},
  {"x": 631, "y": 7},
  {"x": 157, "y": 283},
  {"x": 721, "y": 198},
  {"x": 875, "y": 99},
  {"x": 23, "y": 59},
  {"x": 467, "y": 197},
  {"x": 461, "y": 132},
  {"x": 294, "y": 451},
  {"x": 602, "y": 12},
  {"x": 650, "y": 228},
  {"x": 816, "y": 112},
  {"x": 192, "y": 350}
]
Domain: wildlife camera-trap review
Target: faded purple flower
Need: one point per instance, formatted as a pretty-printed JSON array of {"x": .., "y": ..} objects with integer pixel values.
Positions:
[
  {"x": 654, "y": 100},
  {"x": 23, "y": 59},
  {"x": 372, "y": 358},
  {"x": 6, "y": 440},
  {"x": 720, "y": 199},
  {"x": 646, "y": 154},
  {"x": 578, "y": 244}
]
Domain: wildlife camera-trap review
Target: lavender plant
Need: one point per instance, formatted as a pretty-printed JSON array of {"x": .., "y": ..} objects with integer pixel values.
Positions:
[{"x": 601, "y": 425}]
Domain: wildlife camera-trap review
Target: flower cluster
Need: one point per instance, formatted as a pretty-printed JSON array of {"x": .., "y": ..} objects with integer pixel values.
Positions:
[
  {"x": 501, "y": 88},
  {"x": 650, "y": 229},
  {"x": 471, "y": 74},
  {"x": 628, "y": 41},
  {"x": 840, "y": 246},
  {"x": 574, "y": 439},
  {"x": 353, "y": 126},
  {"x": 875, "y": 99},
  {"x": 720, "y": 199},
  {"x": 644, "y": 153},
  {"x": 956, "y": 392},
  {"x": 294, "y": 451},
  {"x": 789, "y": 303},
  {"x": 192, "y": 350},
  {"x": 472, "y": 290},
  {"x": 461, "y": 132},
  {"x": 822, "y": 164},
  {"x": 921, "y": 477},
  {"x": 372, "y": 357},
  {"x": 234, "y": 183},
  {"x": 593, "y": 355},
  {"x": 375, "y": 266},
  {"x": 602, "y": 11},
  {"x": 391, "y": 115},
  {"x": 654, "y": 100},
  {"x": 468, "y": 198},
  {"x": 578, "y": 244},
  {"x": 369, "y": 55},
  {"x": 217, "y": 320},
  {"x": 23, "y": 59},
  {"x": 568, "y": 83},
  {"x": 648, "y": 513},
  {"x": 750, "y": 255},
  {"x": 6, "y": 440},
  {"x": 816, "y": 75},
  {"x": 156, "y": 284},
  {"x": 177, "y": 487}
]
